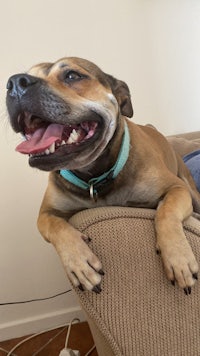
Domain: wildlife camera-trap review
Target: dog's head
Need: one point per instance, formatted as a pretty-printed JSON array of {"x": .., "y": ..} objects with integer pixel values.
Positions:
[{"x": 67, "y": 112}]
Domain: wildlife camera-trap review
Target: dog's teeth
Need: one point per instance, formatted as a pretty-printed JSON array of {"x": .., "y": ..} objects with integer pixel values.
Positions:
[
  {"x": 63, "y": 143},
  {"x": 24, "y": 138},
  {"x": 47, "y": 151},
  {"x": 75, "y": 134},
  {"x": 70, "y": 140},
  {"x": 73, "y": 138},
  {"x": 52, "y": 148}
]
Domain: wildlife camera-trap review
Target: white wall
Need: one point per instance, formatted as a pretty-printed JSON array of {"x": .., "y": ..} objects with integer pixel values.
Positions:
[{"x": 155, "y": 47}]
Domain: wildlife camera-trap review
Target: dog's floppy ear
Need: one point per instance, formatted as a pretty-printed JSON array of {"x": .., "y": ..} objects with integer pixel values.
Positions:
[{"x": 121, "y": 92}]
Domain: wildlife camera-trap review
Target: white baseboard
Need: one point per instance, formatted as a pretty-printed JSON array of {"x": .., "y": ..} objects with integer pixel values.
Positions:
[{"x": 39, "y": 323}]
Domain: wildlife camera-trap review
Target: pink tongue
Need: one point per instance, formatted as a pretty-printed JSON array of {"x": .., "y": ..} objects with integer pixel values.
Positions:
[{"x": 41, "y": 139}]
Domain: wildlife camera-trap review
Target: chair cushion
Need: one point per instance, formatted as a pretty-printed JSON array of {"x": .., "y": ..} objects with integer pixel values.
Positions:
[{"x": 184, "y": 144}]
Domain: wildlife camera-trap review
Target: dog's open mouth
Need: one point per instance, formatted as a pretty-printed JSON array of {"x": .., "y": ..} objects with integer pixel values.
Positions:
[{"x": 45, "y": 138}]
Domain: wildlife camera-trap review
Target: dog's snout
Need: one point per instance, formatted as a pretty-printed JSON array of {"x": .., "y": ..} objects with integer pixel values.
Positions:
[{"x": 18, "y": 84}]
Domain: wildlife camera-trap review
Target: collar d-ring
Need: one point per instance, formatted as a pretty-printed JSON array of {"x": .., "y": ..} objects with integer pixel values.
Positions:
[{"x": 93, "y": 192}]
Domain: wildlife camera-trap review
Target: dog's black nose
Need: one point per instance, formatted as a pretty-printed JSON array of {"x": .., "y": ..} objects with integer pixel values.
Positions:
[{"x": 19, "y": 83}]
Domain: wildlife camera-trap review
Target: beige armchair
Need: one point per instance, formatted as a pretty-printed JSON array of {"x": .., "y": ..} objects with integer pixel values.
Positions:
[{"x": 139, "y": 312}]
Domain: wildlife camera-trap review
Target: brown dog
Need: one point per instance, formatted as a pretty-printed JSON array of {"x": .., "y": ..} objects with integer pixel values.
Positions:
[{"x": 74, "y": 117}]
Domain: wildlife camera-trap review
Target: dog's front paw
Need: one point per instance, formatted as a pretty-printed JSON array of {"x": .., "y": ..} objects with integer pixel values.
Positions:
[
  {"x": 82, "y": 266},
  {"x": 179, "y": 263}
]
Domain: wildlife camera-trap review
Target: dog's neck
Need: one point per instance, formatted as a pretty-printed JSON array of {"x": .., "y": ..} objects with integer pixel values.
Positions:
[{"x": 106, "y": 160}]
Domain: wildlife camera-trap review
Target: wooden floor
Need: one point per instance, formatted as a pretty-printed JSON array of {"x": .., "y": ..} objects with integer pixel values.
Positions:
[{"x": 80, "y": 339}]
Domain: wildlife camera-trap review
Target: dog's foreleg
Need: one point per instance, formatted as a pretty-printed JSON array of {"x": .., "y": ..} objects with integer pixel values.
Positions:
[
  {"x": 178, "y": 258},
  {"x": 81, "y": 265}
]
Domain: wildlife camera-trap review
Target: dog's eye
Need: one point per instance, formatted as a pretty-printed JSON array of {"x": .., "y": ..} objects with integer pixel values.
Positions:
[{"x": 72, "y": 76}]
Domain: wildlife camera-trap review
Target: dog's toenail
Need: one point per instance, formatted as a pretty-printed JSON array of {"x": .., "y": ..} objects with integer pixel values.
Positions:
[
  {"x": 101, "y": 272},
  {"x": 187, "y": 290},
  {"x": 97, "y": 289},
  {"x": 81, "y": 287},
  {"x": 195, "y": 276}
]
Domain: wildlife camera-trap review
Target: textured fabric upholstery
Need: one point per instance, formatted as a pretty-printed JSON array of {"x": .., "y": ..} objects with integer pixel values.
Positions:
[
  {"x": 138, "y": 312},
  {"x": 185, "y": 143}
]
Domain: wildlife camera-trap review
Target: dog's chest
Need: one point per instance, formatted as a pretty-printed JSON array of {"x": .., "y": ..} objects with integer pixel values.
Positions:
[
  {"x": 137, "y": 195},
  {"x": 127, "y": 192}
]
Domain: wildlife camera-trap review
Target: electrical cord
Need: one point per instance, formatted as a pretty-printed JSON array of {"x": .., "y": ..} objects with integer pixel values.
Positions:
[
  {"x": 31, "y": 337},
  {"x": 89, "y": 352},
  {"x": 37, "y": 299},
  {"x": 42, "y": 332},
  {"x": 68, "y": 334},
  {"x": 10, "y": 353},
  {"x": 49, "y": 341},
  {"x": 69, "y": 330},
  {"x": 6, "y": 351}
]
